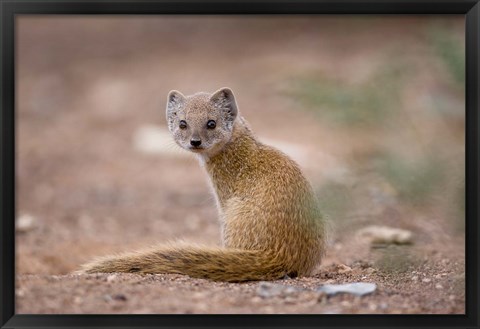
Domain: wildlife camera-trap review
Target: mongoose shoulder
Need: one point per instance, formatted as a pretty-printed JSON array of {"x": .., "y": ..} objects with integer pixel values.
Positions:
[{"x": 271, "y": 224}]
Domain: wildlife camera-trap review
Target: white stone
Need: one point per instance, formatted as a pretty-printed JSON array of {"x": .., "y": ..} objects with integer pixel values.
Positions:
[
  {"x": 356, "y": 288},
  {"x": 376, "y": 234},
  {"x": 25, "y": 223}
]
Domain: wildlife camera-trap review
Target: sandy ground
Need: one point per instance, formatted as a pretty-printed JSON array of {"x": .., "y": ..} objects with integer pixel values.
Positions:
[{"x": 85, "y": 188}]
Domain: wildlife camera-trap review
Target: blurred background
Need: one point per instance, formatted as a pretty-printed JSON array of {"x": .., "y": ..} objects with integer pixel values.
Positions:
[{"x": 372, "y": 108}]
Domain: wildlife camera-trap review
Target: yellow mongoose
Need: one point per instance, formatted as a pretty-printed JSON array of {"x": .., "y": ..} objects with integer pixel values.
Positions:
[{"x": 271, "y": 224}]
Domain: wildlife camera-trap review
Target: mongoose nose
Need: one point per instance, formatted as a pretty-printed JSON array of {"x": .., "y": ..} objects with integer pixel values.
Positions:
[{"x": 195, "y": 142}]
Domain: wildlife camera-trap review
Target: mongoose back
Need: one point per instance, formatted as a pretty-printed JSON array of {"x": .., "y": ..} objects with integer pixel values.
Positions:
[{"x": 271, "y": 224}]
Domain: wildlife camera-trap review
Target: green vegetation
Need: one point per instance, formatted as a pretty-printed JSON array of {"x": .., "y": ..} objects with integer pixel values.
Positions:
[
  {"x": 334, "y": 199},
  {"x": 451, "y": 51},
  {"x": 457, "y": 213},
  {"x": 366, "y": 103},
  {"x": 415, "y": 181}
]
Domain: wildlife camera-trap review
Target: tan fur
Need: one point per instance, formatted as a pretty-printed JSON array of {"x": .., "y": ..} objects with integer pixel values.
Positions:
[{"x": 271, "y": 224}]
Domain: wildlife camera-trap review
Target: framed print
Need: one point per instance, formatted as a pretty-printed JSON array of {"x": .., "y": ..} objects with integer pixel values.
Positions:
[{"x": 220, "y": 164}]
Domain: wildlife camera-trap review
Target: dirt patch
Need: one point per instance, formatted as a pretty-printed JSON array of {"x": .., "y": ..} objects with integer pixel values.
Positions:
[{"x": 426, "y": 290}]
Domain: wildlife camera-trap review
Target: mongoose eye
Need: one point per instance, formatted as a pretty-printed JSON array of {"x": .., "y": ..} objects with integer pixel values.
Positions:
[
  {"x": 211, "y": 124},
  {"x": 183, "y": 124}
]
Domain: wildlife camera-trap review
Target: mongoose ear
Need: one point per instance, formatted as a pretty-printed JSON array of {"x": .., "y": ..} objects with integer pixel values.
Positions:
[
  {"x": 225, "y": 100},
  {"x": 175, "y": 100}
]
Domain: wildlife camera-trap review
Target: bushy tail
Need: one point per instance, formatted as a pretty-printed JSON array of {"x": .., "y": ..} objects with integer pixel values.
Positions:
[{"x": 219, "y": 264}]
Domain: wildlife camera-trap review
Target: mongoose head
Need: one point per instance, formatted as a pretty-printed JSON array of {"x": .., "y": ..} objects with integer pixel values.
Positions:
[{"x": 202, "y": 123}]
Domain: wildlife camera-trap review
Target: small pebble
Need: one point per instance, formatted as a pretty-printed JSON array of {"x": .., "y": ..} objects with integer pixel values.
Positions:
[
  {"x": 342, "y": 268},
  {"x": 345, "y": 303},
  {"x": 268, "y": 289},
  {"x": 111, "y": 278},
  {"x": 370, "y": 270},
  {"x": 120, "y": 297},
  {"x": 290, "y": 300},
  {"x": 198, "y": 295},
  {"x": 426, "y": 280}
]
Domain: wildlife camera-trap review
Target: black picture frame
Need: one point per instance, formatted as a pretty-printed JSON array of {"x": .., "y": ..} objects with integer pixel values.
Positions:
[{"x": 10, "y": 8}]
